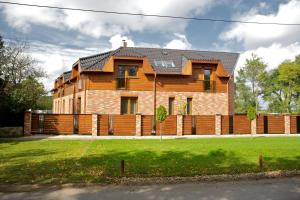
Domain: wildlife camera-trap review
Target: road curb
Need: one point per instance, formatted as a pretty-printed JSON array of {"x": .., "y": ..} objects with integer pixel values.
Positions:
[{"x": 10, "y": 188}]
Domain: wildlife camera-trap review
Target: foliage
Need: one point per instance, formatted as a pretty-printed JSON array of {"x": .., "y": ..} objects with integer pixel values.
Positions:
[
  {"x": 251, "y": 113},
  {"x": 26, "y": 95},
  {"x": 44, "y": 103},
  {"x": 181, "y": 109},
  {"x": 161, "y": 114},
  {"x": 249, "y": 82},
  {"x": 20, "y": 88},
  {"x": 282, "y": 90},
  {"x": 65, "y": 161}
]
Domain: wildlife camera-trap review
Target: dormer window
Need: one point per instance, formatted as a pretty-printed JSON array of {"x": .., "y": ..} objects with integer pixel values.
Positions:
[
  {"x": 207, "y": 73},
  {"x": 132, "y": 71}
]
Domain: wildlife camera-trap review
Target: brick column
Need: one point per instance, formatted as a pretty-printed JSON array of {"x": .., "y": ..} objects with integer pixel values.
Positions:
[
  {"x": 218, "y": 125},
  {"x": 287, "y": 124},
  {"x": 253, "y": 127},
  {"x": 94, "y": 124},
  {"x": 179, "y": 125},
  {"x": 138, "y": 124},
  {"x": 27, "y": 123}
]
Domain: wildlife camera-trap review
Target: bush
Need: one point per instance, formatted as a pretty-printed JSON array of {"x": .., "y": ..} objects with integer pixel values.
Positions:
[
  {"x": 251, "y": 113},
  {"x": 161, "y": 114}
]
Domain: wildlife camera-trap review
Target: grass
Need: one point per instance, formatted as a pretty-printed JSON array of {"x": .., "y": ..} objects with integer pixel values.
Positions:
[{"x": 49, "y": 161}]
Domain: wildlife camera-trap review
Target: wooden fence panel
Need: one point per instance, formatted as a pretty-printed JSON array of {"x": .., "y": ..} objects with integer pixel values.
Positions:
[
  {"x": 293, "y": 124},
  {"x": 260, "y": 124},
  {"x": 169, "y": 126},
  {"x": 224, "y": 124},
  {"x": 187, "y": 125},
  {"x": 241, "y": 124},
  {"x": 276, "y": 124},
  {"x": 34, "y": 123},
  {"x": 85, "y": 124},
  {"x": 205, "y": 124},
  {"x": 102, "y": 125},
  {"x": 58, "y": 124},
  {"x": 123, "y": 124},
  {"x": 147, "y": 124}
]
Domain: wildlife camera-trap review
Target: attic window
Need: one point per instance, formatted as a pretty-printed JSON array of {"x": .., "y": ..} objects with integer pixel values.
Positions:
[
  {"x": 164, "y": 63},
  {"x": 164, "y": 52}
]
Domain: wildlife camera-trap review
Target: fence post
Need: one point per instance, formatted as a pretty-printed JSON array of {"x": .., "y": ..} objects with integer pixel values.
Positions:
[
  {"x": 138, "y": 124},
  {"x": 253, "y": 126},
  {"x": 218, "y": 125},
  {"x": 94, "y": 124},
  {"x": 287, "y": 124},
  {"x": 179, "y": 125},
  {"x": 27, "y": 123}
]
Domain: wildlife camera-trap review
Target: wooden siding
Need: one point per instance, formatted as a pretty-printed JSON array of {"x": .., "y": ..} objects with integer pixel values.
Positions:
[
  {"x": 123, "y": 124},
  {"x": 102, "y": 125},
  {"x": 85, "y": 124},
  {"x": 224, "y": 124},
  {"x": 187, "y": 125},
  {"x": 205, "y": 124},
  {"x": 241, "y": 124},
  {"x": 58, "y": 124},
  {"x": 169, "y": 126},
  {"x": 143, "y": 82},
  {"x": 276, "y": 124},
  {"x": 147, "y": 124},
  {"x": 260, "y": 124},
  {"x": 293, "y": 124}
]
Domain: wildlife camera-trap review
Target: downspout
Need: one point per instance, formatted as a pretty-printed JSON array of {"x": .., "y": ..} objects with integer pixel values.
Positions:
[{"x": 154, "y": 105}]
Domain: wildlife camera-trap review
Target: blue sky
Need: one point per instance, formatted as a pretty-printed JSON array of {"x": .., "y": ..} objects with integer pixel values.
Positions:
[{"x": 58, "y": 38}]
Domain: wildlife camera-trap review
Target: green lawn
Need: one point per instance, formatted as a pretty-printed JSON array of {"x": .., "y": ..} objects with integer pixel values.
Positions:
[{"x": 49, "y": 161}]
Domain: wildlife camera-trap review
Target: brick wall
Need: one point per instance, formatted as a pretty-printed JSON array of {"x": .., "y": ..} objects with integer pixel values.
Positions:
[{"x": 108, "y": 101}]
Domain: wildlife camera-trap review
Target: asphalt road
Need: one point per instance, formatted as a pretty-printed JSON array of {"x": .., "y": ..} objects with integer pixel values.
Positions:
[{"x": 268, "y": 189}]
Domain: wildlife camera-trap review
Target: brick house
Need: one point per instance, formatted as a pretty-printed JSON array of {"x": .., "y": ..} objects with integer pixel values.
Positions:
[{"x": 132, "y": 80}]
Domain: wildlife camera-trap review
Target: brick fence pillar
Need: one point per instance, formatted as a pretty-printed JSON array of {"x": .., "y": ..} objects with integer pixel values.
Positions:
[
  {"x": 253, "y": 127},
  {"x": 218, "y": 124},
  {"x": 94, "y": 124},
  {"x": 287, "y": 124},
  {"x": 179, "y": 125},
  {"x": 27, "y": 123},
  {"x": 138, "y": 124}
]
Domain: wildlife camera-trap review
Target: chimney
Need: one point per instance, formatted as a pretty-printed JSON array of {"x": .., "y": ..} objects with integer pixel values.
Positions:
[{"x": 124, "y": 43}]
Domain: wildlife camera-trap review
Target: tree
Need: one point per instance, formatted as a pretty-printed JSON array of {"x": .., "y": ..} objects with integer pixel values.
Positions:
[
  {"x": 161, "y": 115},
  {"x": 249, "y": 81},
  {"x": 26, "y": 95},
  {"x": 282, "y": 89}
]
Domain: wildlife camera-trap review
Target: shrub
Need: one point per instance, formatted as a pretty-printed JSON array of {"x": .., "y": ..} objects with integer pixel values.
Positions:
[{"x": 251, "y": 113}]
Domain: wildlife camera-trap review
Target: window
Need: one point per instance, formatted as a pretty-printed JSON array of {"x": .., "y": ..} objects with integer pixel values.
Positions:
[
  {"x": 189, "y": 106},
  {"x": 132, "y": 71},
  {"x": 63, "y": 107},
  {"x": 128, "y": 105},
  {"x": 171, "y": 106},
  {"x": 207, "y": 79},
  {"x": 79, "y": 105}
]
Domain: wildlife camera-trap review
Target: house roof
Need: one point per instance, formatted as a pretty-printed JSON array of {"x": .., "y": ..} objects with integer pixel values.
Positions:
[
  {"x": 67, "y": 75},
  {"x": 154, "y": 55}
]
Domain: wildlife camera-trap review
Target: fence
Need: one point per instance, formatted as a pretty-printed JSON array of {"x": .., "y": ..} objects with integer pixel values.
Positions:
[{"x": 143, "y": 125}]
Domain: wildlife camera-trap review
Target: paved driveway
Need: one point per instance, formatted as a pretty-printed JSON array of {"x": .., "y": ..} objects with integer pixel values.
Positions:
[{"x": 268, "y": 189}]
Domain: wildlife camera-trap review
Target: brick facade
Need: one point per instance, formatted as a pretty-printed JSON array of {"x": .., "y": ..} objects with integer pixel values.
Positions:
[{"x": 109, "y": 101}]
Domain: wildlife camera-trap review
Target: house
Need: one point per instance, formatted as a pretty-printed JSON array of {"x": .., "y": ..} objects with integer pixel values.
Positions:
[{"x": 132, "y": 80}]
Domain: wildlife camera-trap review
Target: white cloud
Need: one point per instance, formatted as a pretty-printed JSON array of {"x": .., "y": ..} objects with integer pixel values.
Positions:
[
  {"x": 273, "y": 55},
  {"x": 253, "y": 36},
  {"x": 100, "y": 24},
  {"x": 180, "y": 42},
  {"x": 117, "y": 40},
  {"x": 55, "y": 59}
]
